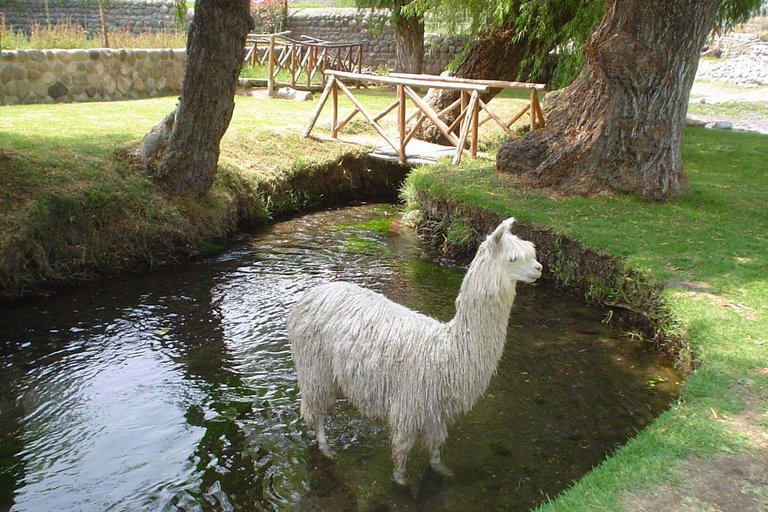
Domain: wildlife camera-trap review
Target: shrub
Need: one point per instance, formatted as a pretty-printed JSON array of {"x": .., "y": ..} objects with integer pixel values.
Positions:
[{"x": 269, "y": 15}]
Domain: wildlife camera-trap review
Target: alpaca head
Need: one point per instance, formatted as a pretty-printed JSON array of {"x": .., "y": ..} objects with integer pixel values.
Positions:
[{"x": 516, "y": 257}]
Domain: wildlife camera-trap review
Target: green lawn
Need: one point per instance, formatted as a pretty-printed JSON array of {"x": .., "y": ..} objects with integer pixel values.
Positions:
[
  {"x": 68, "y": 196},
  {"x": 714, "y": 244}
]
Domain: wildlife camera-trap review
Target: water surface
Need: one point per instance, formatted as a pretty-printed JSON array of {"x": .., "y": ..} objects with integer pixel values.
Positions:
[{"x": 176, "y": 391}]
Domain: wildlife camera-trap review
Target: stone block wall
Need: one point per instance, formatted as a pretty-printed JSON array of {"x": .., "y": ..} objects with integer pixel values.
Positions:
[
  {"x": 48, "y": 76},
  {"x": 376, "y": 34},
  {"x": 135, "y": 15}
]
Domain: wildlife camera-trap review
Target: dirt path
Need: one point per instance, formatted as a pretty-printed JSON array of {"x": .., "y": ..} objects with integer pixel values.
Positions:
[{"x": 747, "y": 120}]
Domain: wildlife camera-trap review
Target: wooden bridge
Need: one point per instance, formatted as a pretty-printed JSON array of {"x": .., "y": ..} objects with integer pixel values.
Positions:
[
  {"x": 304, "y": 60},
  {"x": 464, "y": 126}
]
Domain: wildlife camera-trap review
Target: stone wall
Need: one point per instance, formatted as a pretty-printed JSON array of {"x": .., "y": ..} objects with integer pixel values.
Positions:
[
  {"x": 739, "y": 58},
  {"x": 135, "y": 15},
  {"x": 48, "y": 76},
  {"x": 377, "y": 36}
]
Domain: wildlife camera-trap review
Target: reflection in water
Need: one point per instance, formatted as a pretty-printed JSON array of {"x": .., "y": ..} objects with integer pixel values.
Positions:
[{"x": 176, "y": 391}]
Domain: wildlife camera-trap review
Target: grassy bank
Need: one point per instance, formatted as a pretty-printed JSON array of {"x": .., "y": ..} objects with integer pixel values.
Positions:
[
  {"x": 700, "y": 262},
  {"x": 73, "y": 208}
]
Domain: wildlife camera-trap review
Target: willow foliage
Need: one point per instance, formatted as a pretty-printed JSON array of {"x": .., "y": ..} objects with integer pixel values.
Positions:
[{"x": 560, "y": 26}]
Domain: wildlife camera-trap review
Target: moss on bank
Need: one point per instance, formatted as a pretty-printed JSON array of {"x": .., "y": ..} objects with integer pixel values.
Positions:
[
  {"x": 123, "y": 223},
  {"x": 693, "y": 270}
]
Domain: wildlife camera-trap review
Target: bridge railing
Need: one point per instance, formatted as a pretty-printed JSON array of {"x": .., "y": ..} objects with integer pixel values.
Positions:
[
  {"x": 304, "y": 60},
  {"x": 467, "y": 121}
]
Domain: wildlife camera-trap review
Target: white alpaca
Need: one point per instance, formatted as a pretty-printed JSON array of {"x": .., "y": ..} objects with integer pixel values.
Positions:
[{"x": 404, "y": 367}]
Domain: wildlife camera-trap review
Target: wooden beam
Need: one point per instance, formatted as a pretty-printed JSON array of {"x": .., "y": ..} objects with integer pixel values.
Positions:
[
  {"x": 335, "y": 113},
  {"x": 465, "y": 128},
  {"x": 319, "y": 108},
  {"x": 496, "y": 118},
  {"x": 387, "y": 110},
  {"x": 431, "y": 115},
  {"x": 271, "y": 67},
  {"x": 401, "y": 122},
  {"x": 409, "y": 82},
  {"x": 539, "y": 113},
  {"x": 496, "y": 84},
  {"x": 366, "y": 114},
  {"x": 348, "y": 118},
  {"x": 518, "y": 115}
]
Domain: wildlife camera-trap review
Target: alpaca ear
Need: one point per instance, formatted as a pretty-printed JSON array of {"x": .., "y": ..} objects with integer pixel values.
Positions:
[{"x": 503, "y": 228}]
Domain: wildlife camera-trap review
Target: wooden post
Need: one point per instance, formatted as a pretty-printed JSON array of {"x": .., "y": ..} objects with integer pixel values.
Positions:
[
  {"x": 532, "y": 110},
  {"x": 474, "y": 124},
  {"x": 401, "y": 122},
  {"x": 359, "y": 63},
  {"x": 464, "y": 101},
  {"x": 323, "y": 64},
  {"x": 293, "y": 65},
  {"x": 311, "y": 65},
  {"x": 271, "y": 67},
  {"x": 319, "y": 108},
  {"x": 335, "y": 113}
]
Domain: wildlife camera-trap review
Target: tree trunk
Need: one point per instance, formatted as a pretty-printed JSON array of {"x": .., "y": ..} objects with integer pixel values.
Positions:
[
  {"x": 493, "y": 55},
  {"x": 104, "y": 27},
  {"x": 619, "y": 125},
  {"x": 409, "y": 40},
  {"x": 215, "y": 43}
]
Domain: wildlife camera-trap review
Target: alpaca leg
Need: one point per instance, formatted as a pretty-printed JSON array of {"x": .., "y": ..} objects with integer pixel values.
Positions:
[
  {"x": 317, "y": 399},
  {"x": 402, "y": 442},
  {"x": 435, "y": 437},
  {"x": 322, "y": 442}
]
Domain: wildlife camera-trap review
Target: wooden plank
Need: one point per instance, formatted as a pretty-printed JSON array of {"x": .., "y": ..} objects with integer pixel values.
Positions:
[
  {"x": 416, "y": 127},
  {"x": 401, "y": 122},
  {"x": 431, "y": 115},
  {"x": 533, "y": 110},
  {"x": 496, "y": 118},
  {"x": 348, "y": 119},
  {"x": 474, "y": 111},
  {"x": 539, "y": 113},
  {"x": 412, "y": 83},
  {"x": 518, "y": 115},
  {"x": 465, "y": 129},
  {"x": 387, "y": 110},
  {"x": 319, "y": 108},
  {"x": 496, "y": 84},
  {"x": 335, "y": 112},
  {"x": 366, "y": 114}
]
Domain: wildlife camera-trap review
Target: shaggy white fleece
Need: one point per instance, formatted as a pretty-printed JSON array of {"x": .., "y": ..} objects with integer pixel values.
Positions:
[{"x": 411, "y": 370}]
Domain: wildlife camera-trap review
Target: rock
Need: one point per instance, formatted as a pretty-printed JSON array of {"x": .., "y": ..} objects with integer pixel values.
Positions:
[
  {"x": 720, "y": 125},
  {"x": 57, "y": 90},
  {"x": 154, "y": 142}
]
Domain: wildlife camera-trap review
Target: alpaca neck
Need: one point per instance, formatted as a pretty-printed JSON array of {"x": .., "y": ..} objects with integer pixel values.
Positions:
[{"x": 479, "y": 328}]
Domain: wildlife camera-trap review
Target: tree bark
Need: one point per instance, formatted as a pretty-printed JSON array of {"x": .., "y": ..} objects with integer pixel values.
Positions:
[
  {"x": 215, "y": 43},
  {"x": 619, "y": 125},
  {"x": 409, "y": 40},
  {"x": 494, "y": 55}
]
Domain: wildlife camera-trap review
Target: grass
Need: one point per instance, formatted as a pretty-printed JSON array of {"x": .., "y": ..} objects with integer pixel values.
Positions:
[
  {"x": 715, "y": 237},
  {"x": 71, "y": 208},
  {"x": 731, "y": 108},
  {"x": 66, "y": 35}
]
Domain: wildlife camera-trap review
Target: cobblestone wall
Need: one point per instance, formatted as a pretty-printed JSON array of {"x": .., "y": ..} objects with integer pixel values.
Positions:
[
  {"x": 346, "y": 25},
  {"x": 739, "y": 58},
  {"x": 48, "y": 76},
  {"x": 135, "y": 15}
]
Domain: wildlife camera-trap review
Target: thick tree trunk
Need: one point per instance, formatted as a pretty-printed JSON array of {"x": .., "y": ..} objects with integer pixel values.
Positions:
[
  {"x": 215, "y": 43},
  {"x": 619, "y": 125},
  {"x": 409, "y": 40},
  {"x": 494, "y": 55}
]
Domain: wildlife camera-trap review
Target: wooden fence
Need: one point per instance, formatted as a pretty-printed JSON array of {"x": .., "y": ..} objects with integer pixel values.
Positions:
[
  {"x": 467, "y": 121},
  {"x": 305, "y": 61}
]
